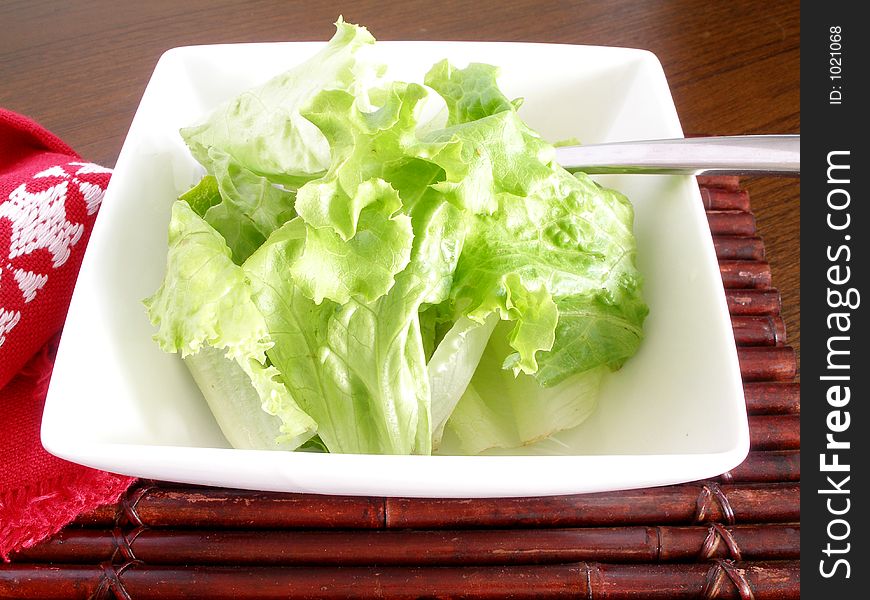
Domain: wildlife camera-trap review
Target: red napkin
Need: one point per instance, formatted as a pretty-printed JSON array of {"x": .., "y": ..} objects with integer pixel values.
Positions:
[{"x": 49, "y": 199}]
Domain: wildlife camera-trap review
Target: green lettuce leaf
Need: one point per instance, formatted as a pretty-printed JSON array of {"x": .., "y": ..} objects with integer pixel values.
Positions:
[
  {"x": 379, "y": 346},
  {"x": 242, "y": 206},
  {"x": 471, "y": 93},
  {"x": 359, "y": 368},
  {"x": 298, "y": 328},
  {"x": 365, "y": 145},
  {"x": 500, "y": 410},
  {"x": 452, "y": 365},
  {"x": 263, "y": 130},
  {"x": 248, "y": 403},
  {"x": 205, "y": 303},
  {"x": 363, "y": 267},
  {"x": 204, "y": 298},
  {"x": 358, "y": 238},
  {"x": 552, "y": 239},
  {"x": 203, "y": 195}
]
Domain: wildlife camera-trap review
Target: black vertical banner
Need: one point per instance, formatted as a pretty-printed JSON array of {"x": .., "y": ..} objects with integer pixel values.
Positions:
[{"x": 835, "y": 226}]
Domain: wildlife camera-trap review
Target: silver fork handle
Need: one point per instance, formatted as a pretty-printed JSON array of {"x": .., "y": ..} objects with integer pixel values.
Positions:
[{"x": 736, "y": 155}]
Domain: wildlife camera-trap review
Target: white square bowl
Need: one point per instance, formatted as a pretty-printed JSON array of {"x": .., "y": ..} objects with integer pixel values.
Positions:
[{"x": 674, "y": 413}]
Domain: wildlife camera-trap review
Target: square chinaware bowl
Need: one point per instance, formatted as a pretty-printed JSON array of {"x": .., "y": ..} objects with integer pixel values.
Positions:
[{"x": 674, "y": 413}]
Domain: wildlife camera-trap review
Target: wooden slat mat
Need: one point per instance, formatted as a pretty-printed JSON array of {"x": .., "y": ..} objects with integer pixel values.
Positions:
[{"x": 736, "y": 536}]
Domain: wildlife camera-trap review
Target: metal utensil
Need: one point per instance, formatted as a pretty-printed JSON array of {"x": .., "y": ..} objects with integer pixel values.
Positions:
[{"x": 735, "y": 155}]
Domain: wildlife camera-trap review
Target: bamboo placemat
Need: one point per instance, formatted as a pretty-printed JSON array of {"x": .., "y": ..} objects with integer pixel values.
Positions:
[{"x": 735, "y": 536}]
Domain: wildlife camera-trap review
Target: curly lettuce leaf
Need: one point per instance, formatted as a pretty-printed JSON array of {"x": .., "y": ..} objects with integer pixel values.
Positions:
[
  {"x": 364, "y": 144},
  {"x": 298, "y": 328},
  {"x": 364, "y": 267},
  {"x": 204, "y": 298},
  {"x": 204, "y": 305},
  {"x": 241, "y": 206},
  {"x": 263, "y": 129},
  {"x": 359, "y": 368},
  {"x": 358, "y": 236},
  {"x": 380, "y": 346},
  {"x": 552, "y": 239}
]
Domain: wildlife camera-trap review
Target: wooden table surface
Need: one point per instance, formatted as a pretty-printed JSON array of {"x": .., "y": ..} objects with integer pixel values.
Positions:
[{"x": 80, "y": 67}]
